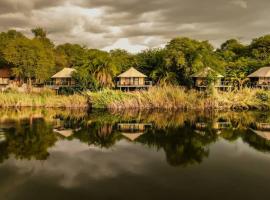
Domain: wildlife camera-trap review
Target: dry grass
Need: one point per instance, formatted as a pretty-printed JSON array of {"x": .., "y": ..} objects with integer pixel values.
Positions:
[
  {"x": 168, "y": 98},
  {"x": 171, "y": 97},
  {"x": 15, "y": 99}
]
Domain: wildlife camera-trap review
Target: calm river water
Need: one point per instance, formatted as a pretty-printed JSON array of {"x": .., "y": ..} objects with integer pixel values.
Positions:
[{"x": 59, "y": 154}]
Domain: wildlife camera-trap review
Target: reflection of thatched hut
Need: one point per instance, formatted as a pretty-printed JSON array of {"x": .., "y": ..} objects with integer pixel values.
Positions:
[
  {"x": 263, "y": 134},
  {"x": 133, "y": 79},
  {"x": 261, "y": 78},
  {"x": 132, "y": 131},
  {"x": 64, "y": 132},
  {"x": 2, "y": 136},
  {"x": 222, "y": 125},
  {"x": 262, "y": 126}
]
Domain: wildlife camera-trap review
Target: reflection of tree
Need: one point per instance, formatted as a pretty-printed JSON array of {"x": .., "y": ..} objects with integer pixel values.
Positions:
[
  {"x": 182, "y": 145},
  {"x": 27, "y": 141},
  {"x": 231, "y": 135},
  {"x": 98, "y": 134}
]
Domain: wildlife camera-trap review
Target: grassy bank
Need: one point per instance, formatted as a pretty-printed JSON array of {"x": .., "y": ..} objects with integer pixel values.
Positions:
[
  {"x": 169, "y": 97},
  {"x": 15, "y": 99},
  {"x": 178, "y": 98}
]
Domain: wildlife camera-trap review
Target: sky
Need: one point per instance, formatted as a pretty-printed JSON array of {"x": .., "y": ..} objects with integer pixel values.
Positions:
[{"x": 135, "y": 25}]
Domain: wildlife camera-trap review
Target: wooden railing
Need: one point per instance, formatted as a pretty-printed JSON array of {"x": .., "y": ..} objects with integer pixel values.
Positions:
[
  {"x": 145, "y": 84},
  {"x": 60, "y": 84},
  {"x": 220, "y": 84}
]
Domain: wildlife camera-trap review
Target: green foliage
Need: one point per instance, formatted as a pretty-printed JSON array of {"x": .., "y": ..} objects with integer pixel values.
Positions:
[
  {"x": 30, "y": 58},
  {"x": 96, "y": 69},
  {"x": 263, "y": 96}
]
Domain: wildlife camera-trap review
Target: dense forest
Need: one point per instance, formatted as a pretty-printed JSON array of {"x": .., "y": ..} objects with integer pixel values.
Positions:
[{"x": 38, "y": 57}]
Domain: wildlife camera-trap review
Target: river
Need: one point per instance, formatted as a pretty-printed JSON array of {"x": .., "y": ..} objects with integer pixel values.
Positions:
[{"x": 72, "y": 154}]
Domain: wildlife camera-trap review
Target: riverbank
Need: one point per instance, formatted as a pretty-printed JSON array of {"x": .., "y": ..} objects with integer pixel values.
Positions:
[
  {"x": 46, "y": 100},
  {"x": 169, "y": 98},
  {"x": 172, "y": 97}
]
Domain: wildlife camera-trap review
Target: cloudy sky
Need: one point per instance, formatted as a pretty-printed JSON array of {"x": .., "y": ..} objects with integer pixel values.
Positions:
[{"x": 137, "y": 24}]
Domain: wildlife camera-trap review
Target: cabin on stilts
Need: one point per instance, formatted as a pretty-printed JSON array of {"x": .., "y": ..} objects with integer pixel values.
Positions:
[
  {"x": 132, "y": 79},
  {"x": 62, "y": 79},
  {"x": 201, "y": 80},
  {"x": 260, "y": 78},
  {"x": 5, "y": 77}
]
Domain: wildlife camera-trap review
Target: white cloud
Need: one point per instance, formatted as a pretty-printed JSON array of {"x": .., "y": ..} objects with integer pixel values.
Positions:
[
  {"x": 240, "y": 3},
  {"x": 124, "y": 43}
]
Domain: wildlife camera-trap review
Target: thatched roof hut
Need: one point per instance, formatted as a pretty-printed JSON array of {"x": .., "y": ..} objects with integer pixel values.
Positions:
[
  {"x": 5, "y": 72},
  {"x": 64, "y": 73},
  {"x": 132, "y": 73},
  {"x": 263, "y": 72},
  {"x": 205, "y": 72}
]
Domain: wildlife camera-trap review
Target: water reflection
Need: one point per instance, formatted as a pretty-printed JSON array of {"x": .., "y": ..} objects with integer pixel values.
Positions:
[
  {"x": 71, "y": 153},
  {"x": 185, "y": 137}
]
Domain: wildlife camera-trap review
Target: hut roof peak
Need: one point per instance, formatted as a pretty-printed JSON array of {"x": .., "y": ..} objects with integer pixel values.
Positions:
[
  {"x": 132, "y": 72},
  {"x": 205, "y": 72},
  {"x": 262, "y": 72},
  {"x": 64, "y": 73}
]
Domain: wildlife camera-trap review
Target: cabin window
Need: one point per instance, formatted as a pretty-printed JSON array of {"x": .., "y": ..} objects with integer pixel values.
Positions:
[
  {"x": 136, "y": 81},
  {"x": 127, "y": 81}
]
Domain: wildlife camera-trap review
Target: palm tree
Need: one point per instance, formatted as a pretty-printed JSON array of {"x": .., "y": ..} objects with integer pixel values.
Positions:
[{"x": 104, "y": 69}]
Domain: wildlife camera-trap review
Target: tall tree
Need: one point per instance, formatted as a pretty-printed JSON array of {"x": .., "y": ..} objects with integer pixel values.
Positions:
[{"x": 29, "y": 58}]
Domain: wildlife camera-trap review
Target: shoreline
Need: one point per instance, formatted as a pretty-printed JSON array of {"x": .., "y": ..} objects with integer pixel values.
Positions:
[{"x": 158, "y": 98}]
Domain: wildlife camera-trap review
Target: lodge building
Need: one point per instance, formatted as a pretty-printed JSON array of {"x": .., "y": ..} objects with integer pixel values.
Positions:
[
  {"x": 201, "y": 80},
  {"x": 260, "y": 78},
  {"x": 132, "y": 79}
]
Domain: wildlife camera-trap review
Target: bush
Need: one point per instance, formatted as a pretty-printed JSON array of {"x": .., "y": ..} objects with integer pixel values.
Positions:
[{"x": 262, "y": 95}]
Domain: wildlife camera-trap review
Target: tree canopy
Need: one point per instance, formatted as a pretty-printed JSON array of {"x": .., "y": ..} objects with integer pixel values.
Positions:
[{"x": 39, "y": 58}]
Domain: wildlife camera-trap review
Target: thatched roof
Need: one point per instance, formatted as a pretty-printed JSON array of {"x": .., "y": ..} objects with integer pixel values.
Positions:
[
  {"x": 132, "y": 72},
  {"x": 261, "y": 73},
  {"x": 64, "y": 73},
  {"x": 205, "y": 72}
]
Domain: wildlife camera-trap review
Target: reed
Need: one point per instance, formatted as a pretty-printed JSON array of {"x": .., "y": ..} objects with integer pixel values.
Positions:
[
  {"x": 167, "y": 98},
  {"x": 172, "y": 97},
  {"x": 18, "y": 100}
]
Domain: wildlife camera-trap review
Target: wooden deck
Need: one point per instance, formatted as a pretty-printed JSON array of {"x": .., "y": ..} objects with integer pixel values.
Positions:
[
  {"x": 54, "y": 86},
  {"x": 147, "y": 84}
]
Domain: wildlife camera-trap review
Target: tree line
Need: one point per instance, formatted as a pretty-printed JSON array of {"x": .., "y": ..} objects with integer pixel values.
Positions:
[{"x": 39, "y": 58}]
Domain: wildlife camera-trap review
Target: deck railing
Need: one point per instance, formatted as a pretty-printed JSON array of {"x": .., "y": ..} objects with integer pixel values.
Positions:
[
  {"x": 220, "y": 84},
  {"x": 60, "y": 84},
  {"x": 145, "y": 84}
]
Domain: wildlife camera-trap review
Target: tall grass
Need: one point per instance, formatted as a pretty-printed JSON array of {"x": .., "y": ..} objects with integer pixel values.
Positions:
[
  {"x": 171, "y": 97},
  {"x": 15, "y": 99},
  {"x": 159, "y": 97}
]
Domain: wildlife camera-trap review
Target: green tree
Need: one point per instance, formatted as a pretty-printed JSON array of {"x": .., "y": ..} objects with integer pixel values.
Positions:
[
  {"x": 186, "y": 56},
  {"x": 260, "y": 48},
  {"x": 30, "y": 59},
  {"x": 122, "y": 59}
]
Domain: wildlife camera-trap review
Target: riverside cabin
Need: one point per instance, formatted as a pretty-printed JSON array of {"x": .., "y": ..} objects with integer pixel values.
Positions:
[
  {"x": 260, "y": 78},
  {"x": 201, "y": 82},
  {"x": 5, "y": 77},
  {"x": 132, "y": 79},
  {"x": 62, "y": 79}
]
